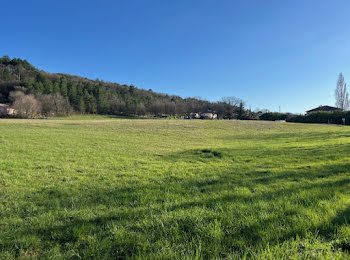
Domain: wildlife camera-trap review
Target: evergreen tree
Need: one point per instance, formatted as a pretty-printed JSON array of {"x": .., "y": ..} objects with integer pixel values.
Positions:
[
  {"x": 48, "y": 87},
  {"x": 101, "y": 101},
  {"x": 39, "y": 87},
  {"x": 56, "y": 88},
  {"x": 72, "y": 93},
  {"x": 81, "y": 105},
  {"x": 63, "y": 87},
  {"x": 6, "y": 75},
  {"x": 241, "y": 111}
]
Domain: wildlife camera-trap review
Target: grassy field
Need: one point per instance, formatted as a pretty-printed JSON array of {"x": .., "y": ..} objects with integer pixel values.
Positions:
[{"x": 173, "y": 189}]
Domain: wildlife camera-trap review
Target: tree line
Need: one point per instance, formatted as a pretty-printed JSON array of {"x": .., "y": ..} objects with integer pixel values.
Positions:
[{"x": 38, "y": 93}]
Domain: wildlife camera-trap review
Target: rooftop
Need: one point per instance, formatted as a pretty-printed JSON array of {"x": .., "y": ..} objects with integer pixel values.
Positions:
[{"x": 323, "y": 108}]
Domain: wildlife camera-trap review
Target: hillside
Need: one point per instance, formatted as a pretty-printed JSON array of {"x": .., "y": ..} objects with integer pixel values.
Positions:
[{"x": 57, "y": 93}]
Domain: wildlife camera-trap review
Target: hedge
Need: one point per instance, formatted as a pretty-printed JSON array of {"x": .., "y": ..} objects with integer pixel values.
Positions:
[{"x": 322, "y": 117}]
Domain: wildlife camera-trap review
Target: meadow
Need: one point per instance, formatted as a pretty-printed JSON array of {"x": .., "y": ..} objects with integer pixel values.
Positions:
[{"x": 105, "y": 188}]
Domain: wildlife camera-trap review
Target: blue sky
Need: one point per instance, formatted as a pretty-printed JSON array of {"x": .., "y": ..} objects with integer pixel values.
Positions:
[{"x": 270, "y": 53}]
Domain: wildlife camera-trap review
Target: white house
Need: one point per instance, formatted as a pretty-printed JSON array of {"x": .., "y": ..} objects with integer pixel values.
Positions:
[
  {"x": 209, "y": 116},
  {"x": 6, "y": 110}
]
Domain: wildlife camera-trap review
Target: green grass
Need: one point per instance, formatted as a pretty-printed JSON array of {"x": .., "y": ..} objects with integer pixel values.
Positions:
[{"x": 173, "y": 189}]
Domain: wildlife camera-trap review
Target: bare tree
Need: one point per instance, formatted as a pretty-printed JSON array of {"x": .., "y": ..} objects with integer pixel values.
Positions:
[
  {"x": 25, "y": 105},
  {"x": 15, "y": 95},
  {"x": 180, "y": 108},
  {"x": 61, "y": 105},
  {"x": 157, "y": 107},
  {"x": 47, "y": 105},
  {"x": 169, "y": 107},
  {"x": 116, "y": 104},
  {"x": 220, "y": 108},
  {"x": 232, "y": 101},
  {"x": 341, "y": 94}
]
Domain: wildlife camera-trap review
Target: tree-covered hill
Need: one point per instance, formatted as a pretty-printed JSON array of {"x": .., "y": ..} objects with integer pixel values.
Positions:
[{"x": 60, "y": 94}]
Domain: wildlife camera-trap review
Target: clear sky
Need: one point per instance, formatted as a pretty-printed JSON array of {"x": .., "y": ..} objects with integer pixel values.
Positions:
[{"x": 270, "y": 53}]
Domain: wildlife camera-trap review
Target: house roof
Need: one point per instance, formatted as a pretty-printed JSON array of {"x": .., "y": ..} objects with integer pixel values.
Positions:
[{"x": 323, "y": 108}]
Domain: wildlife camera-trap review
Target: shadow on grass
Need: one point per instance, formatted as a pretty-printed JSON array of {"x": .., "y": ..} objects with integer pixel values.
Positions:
[
  {"x": 289, "y": 136},
  {"x": 328, "y": 229},
  {"x": 257, "y": 155},
  {"x": 95, "y": 117},
  {"x": 342, "y": 218},
  {"x": 187, "y": 227},
  {"x": 136, "y": 206}
]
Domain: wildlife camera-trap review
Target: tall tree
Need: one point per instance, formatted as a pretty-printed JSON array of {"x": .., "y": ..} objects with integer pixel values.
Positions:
[
  {"x": 72, "y": 93},
  {"x": 63, "y": 86},
  {"x": 230, "y": 104},
  {"x": 56, "y": 88},
  {"x": 232, "y": 101},
  {"x": 81, "y": 105},
  {"x": 241, "y": 110},
  {"x": 341, "y": 94}
]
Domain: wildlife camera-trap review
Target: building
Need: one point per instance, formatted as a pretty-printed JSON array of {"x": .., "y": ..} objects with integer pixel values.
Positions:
[
  {"x": 6, "y": 110},
  {"x": 195, "y": 115},
  {"x": 201, "y": 116},
  {"x": 323, "y": 109},
  {"x": 208, "y": 116}
]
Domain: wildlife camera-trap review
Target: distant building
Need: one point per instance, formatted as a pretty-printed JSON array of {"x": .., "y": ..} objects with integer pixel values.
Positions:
[
  {"x": 5, "y": 109},
  {"x": 323, "y": 109},
  {"x": 208, "y": 116},
  {"x": 195, "y": 116},
  {"x": 201, "y": 116}
]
